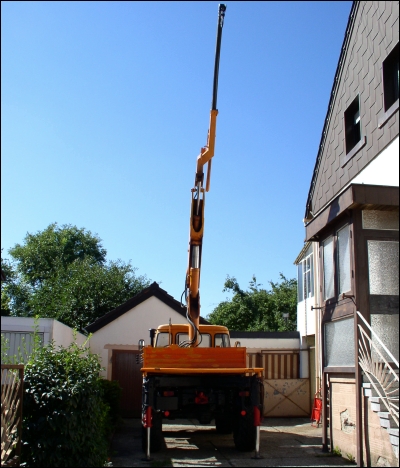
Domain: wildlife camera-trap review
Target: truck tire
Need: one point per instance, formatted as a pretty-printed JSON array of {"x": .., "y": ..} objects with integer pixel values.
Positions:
[
  {"x": 156, "y": 437},
  {"x": 244, "y": 431},
  {"x": 223, "y": 423}
]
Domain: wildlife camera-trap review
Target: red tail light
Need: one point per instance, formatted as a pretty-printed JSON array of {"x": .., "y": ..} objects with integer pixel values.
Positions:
[
  {"x": 169, "y": 393},
  {"x": 243, "y": 413},
  {"x": 166, "y": 414},
  {"x": 201, "y": 399},
  {"x": 244, "y": 394}
]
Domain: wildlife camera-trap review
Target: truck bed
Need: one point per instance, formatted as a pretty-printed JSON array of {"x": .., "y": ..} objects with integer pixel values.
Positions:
[{"x": 175, "y": 360}]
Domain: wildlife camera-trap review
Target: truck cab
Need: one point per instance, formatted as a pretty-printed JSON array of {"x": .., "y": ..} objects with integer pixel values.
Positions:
[{"x": 211, "y": 336}]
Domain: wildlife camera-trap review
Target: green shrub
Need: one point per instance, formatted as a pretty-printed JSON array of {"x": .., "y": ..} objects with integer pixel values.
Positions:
[
  {"x": 112, "y": 392},
  {"x": 64, "y": 415}
]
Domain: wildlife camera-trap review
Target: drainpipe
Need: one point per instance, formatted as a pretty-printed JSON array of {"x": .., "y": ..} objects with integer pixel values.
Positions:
[{"x": 359, "y": 399}]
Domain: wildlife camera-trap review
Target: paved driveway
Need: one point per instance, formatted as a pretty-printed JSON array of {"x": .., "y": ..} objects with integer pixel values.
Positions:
[{"x": 284, "y": 442}]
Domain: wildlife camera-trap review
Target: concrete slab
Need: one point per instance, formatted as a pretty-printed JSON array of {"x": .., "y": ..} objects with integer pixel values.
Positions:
[{"x": 284, "y": 442}]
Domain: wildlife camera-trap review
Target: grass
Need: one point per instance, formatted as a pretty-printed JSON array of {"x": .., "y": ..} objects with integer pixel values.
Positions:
[
  {"x": 336, "y": 451},
  {"x": 351, "y": 457}
]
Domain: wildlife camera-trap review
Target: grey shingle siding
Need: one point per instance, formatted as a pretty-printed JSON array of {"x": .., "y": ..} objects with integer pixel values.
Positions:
[{"x": 375, "y": 31}]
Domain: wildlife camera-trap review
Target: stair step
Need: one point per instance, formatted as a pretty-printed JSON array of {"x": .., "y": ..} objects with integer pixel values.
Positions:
[
  {"x": 394, "y": 432},
  {"x": 370, "y": 392},
  {"x": 375, "y": 407},
  {"x": 385, "y": 423},
  {"x": 394, "y": 440},
  {"x": 375, "y": 399}
]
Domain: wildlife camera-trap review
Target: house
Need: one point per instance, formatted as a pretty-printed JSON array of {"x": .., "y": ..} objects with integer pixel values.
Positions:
[
  {"x": 352, "y": 241},
  {"x": 308, "y": 318},
  {"x": 115, "y": 338}
]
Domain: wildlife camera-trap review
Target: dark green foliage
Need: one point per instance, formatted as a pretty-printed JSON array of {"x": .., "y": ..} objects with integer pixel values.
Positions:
[
  {"x": 61, "y": 273},
  {"x": 258, "y": 309},
  {"x": 112, "y": 392},
  {"x": 63, "y": 407},
  {"x": 9, "y": 273},
  {"x": 44, "y": 253}
]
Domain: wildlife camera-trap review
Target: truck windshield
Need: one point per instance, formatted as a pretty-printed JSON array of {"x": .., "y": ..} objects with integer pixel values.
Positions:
[
  {"x": 205, "y": 339},
  {"x": 222, "y": 340},
  {"x": 162, "y": 339}
]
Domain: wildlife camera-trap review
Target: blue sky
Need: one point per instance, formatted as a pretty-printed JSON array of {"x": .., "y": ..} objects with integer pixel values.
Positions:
[{"x": 104, "y": 109}]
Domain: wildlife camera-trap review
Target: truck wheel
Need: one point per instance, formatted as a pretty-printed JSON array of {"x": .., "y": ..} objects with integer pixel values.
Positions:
[
  {"x": 223, "y": 423},
  {"x": 244, "y": 431},
  {"x": 156, "y": 437}
]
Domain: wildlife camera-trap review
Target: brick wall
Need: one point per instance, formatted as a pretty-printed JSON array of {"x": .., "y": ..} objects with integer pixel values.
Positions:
[
  {"x": 343, "y": 407},
  {"x": 377, "y": 448}
]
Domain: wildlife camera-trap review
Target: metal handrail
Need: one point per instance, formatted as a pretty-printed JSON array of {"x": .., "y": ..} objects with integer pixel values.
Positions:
[
  {"x": 381, "y": 370},
  {"x": 378, "y": 339}
]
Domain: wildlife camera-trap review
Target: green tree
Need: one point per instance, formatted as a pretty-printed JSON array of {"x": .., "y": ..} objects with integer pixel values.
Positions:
[
  {"x": 10, "y": 275},
  {"x": 62, "y": 273},
  {"x": 258, "y": 309},
  {"x": 44, "y": 254}
]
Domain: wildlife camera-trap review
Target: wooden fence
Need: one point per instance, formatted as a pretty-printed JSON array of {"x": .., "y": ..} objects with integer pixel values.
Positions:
[{"x": 12, "y": 382}]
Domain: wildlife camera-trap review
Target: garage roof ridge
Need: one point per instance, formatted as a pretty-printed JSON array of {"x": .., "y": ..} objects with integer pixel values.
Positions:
[{"x": 153, "y": 290}]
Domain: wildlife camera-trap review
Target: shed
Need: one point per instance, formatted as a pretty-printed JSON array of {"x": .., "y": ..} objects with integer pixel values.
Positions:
[{"x": 19, "y": 331}]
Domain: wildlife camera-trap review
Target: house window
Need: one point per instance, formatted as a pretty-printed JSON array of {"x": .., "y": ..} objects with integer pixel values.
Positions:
[
  {"x": 383, "y": 273},
  {"x": 352, "y": 124},
  {"x": 384, "y": 220},
  {"x": 391, "y": 78},
  {"x": 337, "y": 263},
  {"x": 305, "y": 278},
  {"x": 343, "y": 260},
  {"x": 339, "y": 343},
  {"x": 329, "y": 272}
]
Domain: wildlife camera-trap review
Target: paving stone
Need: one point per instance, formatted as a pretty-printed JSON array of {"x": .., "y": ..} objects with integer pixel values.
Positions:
[{"x": 284, "y": 442}]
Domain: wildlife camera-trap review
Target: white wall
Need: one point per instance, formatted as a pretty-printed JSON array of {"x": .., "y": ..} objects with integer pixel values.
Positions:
[
  {"x": 255, "y": 345},
  {"x": 125, "y": 331},
  {"x": 50, "y": 328},
  {"x": 64, "y": 336},
  {"x": 383, "y": 170}
]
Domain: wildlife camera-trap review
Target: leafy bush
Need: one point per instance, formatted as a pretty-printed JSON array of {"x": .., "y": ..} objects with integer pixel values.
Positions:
[
  {"x": 64, "y": 413},
  {"x": 112, "y": 392}
]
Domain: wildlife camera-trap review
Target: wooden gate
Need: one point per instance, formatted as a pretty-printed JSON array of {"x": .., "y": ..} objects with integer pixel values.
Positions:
[
  {"x": 127, "y": 372},
  {"x": 287, "y": 398}
]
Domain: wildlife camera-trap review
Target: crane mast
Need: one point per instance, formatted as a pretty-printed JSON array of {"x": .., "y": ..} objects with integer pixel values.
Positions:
[{"x": 192, "y": 281}]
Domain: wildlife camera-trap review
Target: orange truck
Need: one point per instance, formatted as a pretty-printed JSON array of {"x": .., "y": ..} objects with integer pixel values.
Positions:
[{"x": 191, "y": 371}]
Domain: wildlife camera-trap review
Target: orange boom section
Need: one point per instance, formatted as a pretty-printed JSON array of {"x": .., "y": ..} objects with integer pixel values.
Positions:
[{"x": 173, "y": 359}]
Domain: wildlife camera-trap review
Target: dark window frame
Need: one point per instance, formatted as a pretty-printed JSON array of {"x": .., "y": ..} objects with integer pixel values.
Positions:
[
  {"x": 390, "y": 81},
  {"x": 352, "y": 124},
  {"x": 390, "y": 86},
  {"x": 337, "y": 306},
  {"x": 353, "y": 139}
]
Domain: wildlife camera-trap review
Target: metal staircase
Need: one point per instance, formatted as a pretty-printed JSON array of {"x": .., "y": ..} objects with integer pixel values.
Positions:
[
  {"x": 386, "y": 419},
  {"x": 380, "y": 380}
]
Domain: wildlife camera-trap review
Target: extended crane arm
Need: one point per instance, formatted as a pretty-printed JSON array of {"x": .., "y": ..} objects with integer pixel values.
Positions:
[
  {"x": 192, "y": 283},
  {"x": 207, "y": 152}
]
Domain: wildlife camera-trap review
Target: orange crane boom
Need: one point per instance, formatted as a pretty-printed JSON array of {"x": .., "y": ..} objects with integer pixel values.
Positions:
[{"x": 192, "y": 282}]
